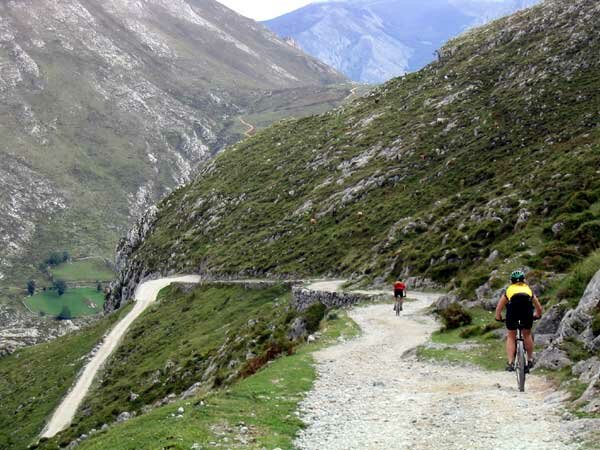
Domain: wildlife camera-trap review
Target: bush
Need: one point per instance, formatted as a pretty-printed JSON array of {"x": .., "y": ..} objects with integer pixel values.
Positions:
[
  {"x": 313, "y": 316},
  {"x": 332, "y": 316},
  {"x": 475, "y": 330},
  {"x": 455, "y": 316},
  {"x": 559, "y": 258}
]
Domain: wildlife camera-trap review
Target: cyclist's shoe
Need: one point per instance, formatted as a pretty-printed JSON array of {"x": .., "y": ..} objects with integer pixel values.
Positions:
[
  {"x": 530, "y": 364},
  {"x": 526, "y": 368},
  {"x": 510, "y": 367}
]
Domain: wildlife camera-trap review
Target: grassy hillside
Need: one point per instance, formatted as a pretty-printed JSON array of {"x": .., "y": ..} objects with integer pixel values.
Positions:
[
  {"x": 207, "y": 337},
  {"x": 494, "y": 147},
  {"x": 34, "y": 380},
  {"x": 256, "y": 412},
  {"x": 87, "y": 270}
]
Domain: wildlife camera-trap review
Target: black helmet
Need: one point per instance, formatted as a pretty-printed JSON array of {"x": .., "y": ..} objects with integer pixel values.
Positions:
[{"x": 517, "y": 276}]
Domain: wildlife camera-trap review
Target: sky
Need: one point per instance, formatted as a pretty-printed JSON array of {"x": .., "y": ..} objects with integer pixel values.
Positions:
[{"x": 264, "y": 9}]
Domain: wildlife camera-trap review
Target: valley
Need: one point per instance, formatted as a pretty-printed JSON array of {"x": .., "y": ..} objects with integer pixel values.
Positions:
[
  {"x": 109, "y": 106},
  {"x": 249, "y": 304}
]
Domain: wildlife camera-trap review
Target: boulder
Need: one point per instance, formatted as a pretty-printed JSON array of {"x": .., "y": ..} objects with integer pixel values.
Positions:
[
  {"x": 590, "y": 400},
  {"x": 123, "y": 417},
  {"x": 551, "y": 319},
  {"x": 587, "y": 370},
  {"x": 493, "y": 256},
  {"x": 553, "y": 358},
  {"x": 297, "y": 329},
  {"x": 191, "y": 391},
  {"x": 445, "y": 301}
]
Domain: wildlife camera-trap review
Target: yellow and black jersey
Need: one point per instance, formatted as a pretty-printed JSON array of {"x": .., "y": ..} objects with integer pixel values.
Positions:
[{"x": 519, "y": 292}]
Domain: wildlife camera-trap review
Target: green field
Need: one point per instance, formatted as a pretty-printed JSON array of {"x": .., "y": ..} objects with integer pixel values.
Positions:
[
  {"x": 88, "y": 270},
  {"x": 80, "y": 301}
]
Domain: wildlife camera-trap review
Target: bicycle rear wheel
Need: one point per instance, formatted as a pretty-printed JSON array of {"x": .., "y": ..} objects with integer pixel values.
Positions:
[{"x": 520, "y": 366}]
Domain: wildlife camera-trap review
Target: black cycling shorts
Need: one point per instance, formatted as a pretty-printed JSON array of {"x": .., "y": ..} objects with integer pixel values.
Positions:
[
  {"x": 519, "y": 310},
  {"x": 399, "y": 293}
]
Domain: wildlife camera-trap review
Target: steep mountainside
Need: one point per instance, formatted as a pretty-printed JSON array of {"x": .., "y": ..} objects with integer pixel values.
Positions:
[
  {"x": 108, "y": 105},
  {"x": 374, "y": 40},
  {"x": 482, "y": 161}
]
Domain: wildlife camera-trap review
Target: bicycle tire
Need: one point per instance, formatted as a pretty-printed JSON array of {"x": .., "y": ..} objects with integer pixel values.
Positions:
[{"x": 520, "y": 366}]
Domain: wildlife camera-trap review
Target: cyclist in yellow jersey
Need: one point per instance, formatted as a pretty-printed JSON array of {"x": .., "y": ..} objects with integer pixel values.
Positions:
[{"x": 520, "y": 302}]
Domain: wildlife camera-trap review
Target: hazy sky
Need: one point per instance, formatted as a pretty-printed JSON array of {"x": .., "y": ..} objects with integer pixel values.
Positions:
[{"x": 264, "y": 9}]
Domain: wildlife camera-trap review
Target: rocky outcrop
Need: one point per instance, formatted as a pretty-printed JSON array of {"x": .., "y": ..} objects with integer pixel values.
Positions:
[
  {"x": 576, "y": 325},
  {"x": 130, "y": 272}
]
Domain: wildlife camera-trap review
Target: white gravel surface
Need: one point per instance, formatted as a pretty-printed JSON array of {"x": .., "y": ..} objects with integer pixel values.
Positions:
[{"x": 368, "y": 396}]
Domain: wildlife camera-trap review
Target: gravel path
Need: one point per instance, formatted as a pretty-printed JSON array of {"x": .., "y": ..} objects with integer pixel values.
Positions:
[
  {"x": 368, "y": 396},
  {"x": 145, "y": 295}
]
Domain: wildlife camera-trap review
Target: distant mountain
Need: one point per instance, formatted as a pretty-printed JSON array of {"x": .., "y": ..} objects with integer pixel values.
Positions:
[
  {"x": 107, "y": 105},
  {"x": 374, "y": 40}
]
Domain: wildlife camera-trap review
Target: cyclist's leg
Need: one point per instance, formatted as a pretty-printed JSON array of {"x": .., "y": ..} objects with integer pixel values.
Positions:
[
  {"x": 528, "y": 344},
  {"x": 511, "y": 345}
]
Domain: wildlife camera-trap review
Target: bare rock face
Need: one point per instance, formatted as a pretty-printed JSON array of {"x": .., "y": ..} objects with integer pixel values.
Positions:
[
  {"x": 130, "y": 275},
  {"x": 577, "y": 323}
]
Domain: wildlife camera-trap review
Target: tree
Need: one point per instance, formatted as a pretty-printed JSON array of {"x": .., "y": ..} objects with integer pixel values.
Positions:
[
  {"x": 54, "y": 259},
  {"x": 65, "y": 314},
  {"x": 31, "y": 287},
  {"x": 60, "y": 286}
]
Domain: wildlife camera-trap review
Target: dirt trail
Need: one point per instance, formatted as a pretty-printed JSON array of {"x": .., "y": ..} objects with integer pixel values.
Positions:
[
  {"x": 145, "y": 295},
  {"x": 369, "y": 396},
  {"x": 251, "y": 131}
]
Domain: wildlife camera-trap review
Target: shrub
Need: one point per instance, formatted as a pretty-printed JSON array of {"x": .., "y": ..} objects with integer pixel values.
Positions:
[
  {"x": 475, "y": 330},
  {"x": 455, "y": 316},
  {"x": 332, "y": 316},
  {"x": 492, "y": 326},
  {"x": 313, "y": 316},
  {"x": 558, "y": 258}
]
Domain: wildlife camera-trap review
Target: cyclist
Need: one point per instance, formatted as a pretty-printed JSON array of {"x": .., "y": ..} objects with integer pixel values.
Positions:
[
  {"x": 520, "y": 301},
  {"x": 399, "y": 294}
]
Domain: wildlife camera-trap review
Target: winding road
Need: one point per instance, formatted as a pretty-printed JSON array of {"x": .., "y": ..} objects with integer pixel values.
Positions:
[
  {"x": 251, "y": 131},
  {"x": 370, "y": 395},
  {"x": 145, "y": 295}
]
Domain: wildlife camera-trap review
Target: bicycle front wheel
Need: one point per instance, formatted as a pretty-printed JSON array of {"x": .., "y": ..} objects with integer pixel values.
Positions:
[{"x": 520, "y": 366}]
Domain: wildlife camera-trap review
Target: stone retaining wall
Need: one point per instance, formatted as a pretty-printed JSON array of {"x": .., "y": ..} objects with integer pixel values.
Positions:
[{"x": 302, "y": 298}]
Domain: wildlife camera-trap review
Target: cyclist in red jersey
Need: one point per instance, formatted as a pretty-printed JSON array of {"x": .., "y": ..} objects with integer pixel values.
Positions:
[{"x": 399, "y": 295}]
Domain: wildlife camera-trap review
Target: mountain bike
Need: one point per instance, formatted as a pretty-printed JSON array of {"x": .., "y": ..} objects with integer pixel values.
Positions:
[{"x": 521, "y": 363}]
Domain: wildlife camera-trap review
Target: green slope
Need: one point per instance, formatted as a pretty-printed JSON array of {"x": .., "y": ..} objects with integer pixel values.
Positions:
[
  {"x": 34, "y": 380},
  {"x": 485, "y": 150},
  {"x": 212, "y": 335},
  {"x": 263, "y": 404}
]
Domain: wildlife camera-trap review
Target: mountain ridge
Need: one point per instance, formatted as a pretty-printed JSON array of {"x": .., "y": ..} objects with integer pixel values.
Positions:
[{"x": 374, "y": 41}]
